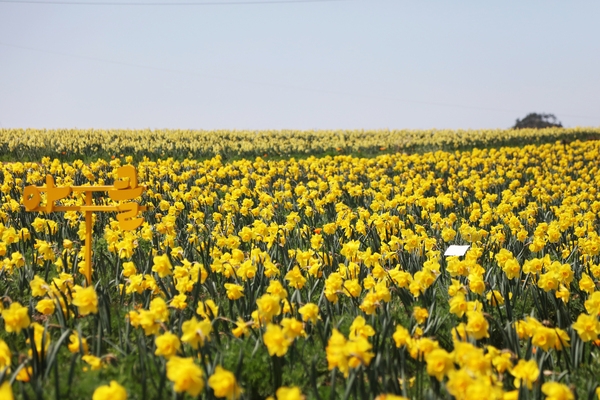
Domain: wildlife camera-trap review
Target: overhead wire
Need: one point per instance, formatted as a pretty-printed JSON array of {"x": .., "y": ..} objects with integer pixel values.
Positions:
[{"x": 174, "y": 3}]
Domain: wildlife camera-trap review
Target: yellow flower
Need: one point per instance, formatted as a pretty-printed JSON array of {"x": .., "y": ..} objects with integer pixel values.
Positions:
[
  {"x": 15, "y": 317},
  {"x": 420, "y": 348},
  {"x": 511, "y": 268},
  {"x": 148, "y": 320},
  {"x": 292, "y": 328},
  {"x": 223, "y": 383},
  {"x": 592, "y": 304},
  {"x": 336, "y": 352},
  {"x": 562, "y": 339},
  {"x": 471, "y": 358},
  {"x": 277, "y": 289},
  {"x": 388, "y": 396},
  {"x": 86, "y": 300},
  {"x": 162, "y": 266},
  {"x": 477, "y": 325},
  {"x": 495, "y": 298},
  {"x": 5, "y": 356},
  {"x": 179, "y": 301},
  {"x": 167, "y": 345},
  {"x": 316, "y": 241},
  {"x": 458, "y": 383},
  {"x": 370, "y": 303},
  {"x": 241, "y": 328},
  {"x": 159, "y": 309},
  {"x": 45, "y": 250},
  {"x": 77, "y": 345},
  {"x": 439, "y": 362},
  {"x": 401, "y": 336},
  {"x": 586, "y": 283},
  {"x": 502, "y": 362},
  {"x": 196, "y": 332},
  {"x": 129, "y": 269},
  {"x": 587, "y": 327},
  {"x": 456, "y": 287},
  {"x": 563, "y": 293},
  {"x": 350, "y": 249},
  {"x": 275, "y": 340},
  {"x": 10, "y": 236},
  {"x": 553, "y": 234},
  {"x": 458, "y": 304},
  {"x": 309, "y": 312},
  {"x": 544, "y": 337},
  {"x": 25, "y": 374},
  {"x": 289, "y": 393},
  {"x": 557, "y": 391},
  {"x": 358, "y": 353},
  {"x": 333, "y": 285},
  {"x": 268, "y": 307},
  {"x": 208, "y": 309},
  {"x": 247, "y": 270},
  {"x": 352, "y": 288},
  {"x": 476, "y": 283},
  {"x": 186, "y": 376},
  {"x": 17, "y": 259},
  {"x": 526, "y": 329},
  {"x": 525, "y": 371},
  {"x": 483, "y": 389},
  {"x": 135, "y": 284},
  {"x": 382, "y": 292},
  {"x": 39, "y": 287},
  {"x": 295, "y": 278},
  {"x": 421, "y": 314},
  {"x": 360, "y": 328},
  {"x": 6, "y": 391},
  {"x": 448, "y": 234},
  {"x": 330, "y": 228},
  {"x": 549, "y": 281},
  {"x": 93, "y": 361},
  {"x": 113, "y": 391},
  {"x": 45, "y": 306},
  {"x": 234, "y": 291}
]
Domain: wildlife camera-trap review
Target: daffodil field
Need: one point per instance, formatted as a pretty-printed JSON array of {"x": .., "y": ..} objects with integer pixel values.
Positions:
[
  {"x": 256, "y": 275},
  {"x": 73, "y": 144}
]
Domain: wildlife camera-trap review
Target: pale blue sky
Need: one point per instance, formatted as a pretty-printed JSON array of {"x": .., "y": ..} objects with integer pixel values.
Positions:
[{"x": 355, "y": 64}]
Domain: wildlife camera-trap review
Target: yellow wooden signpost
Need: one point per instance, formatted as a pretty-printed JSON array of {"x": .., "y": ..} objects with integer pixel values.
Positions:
[{"x": 124, "y": 188}]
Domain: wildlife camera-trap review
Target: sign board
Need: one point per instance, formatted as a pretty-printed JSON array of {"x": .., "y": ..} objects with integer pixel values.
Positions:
[
  {"x": 456, "y": 250},
  {"x": 124, "y": 188}
]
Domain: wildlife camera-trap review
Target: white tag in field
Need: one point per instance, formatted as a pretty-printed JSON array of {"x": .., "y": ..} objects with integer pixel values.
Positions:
[{"x": 456, "y": 250}]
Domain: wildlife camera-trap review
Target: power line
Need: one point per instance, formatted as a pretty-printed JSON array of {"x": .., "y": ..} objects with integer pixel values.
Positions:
[
  {"x": 209, "y": 3},
  {"x": 282, "y": 86}
]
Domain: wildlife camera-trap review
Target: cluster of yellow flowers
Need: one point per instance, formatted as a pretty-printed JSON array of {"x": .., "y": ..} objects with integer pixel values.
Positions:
[
  {"x": 328, "y": 271},
  {"x": 33, "y": 143}
]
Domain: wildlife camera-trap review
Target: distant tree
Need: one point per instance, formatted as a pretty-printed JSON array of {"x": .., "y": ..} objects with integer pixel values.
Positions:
[{"x": 538, "y": 121}]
